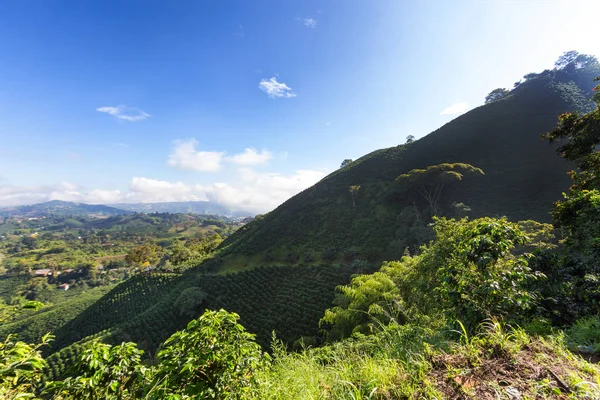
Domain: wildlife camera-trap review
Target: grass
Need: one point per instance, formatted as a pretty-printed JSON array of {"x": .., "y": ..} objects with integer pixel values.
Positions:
[
  {"x": 585, "y": 333},
  {"x": 498, "y": 362}
]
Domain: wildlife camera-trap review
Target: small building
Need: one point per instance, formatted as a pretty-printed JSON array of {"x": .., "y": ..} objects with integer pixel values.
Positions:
[
  {"x": 63, "y": 286},
  {"x": 42, "y": 272}
]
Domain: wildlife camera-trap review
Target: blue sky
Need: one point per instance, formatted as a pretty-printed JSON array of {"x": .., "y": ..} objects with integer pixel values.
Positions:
[{"x": 247, "y": 102}]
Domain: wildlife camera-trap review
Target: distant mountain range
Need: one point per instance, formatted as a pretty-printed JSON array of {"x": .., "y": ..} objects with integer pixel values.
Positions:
[
  {"x": 189, "y": 207},
  {"x": 57, "y": 207}
]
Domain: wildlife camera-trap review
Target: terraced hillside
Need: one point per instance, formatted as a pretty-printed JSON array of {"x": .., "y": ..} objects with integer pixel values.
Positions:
[
  {"x": 524, "y": 176},
  {"x": 149, "y": 308},
  {"x": 285, "y": 291}
]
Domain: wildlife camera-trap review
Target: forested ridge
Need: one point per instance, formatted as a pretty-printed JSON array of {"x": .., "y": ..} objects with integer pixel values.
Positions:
[{"x": 491, "y": 288}]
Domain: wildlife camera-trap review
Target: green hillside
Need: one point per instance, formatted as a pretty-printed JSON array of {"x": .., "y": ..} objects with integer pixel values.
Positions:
[
  {"x": 148, "y": 308},
  {"x": 318, "y": 239},
  {"x": 322, "y": 226},
  {"x": 523, "y": 177}
]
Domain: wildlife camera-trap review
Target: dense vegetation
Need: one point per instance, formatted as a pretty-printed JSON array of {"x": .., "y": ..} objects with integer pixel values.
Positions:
[
  {"x": 473, "y": 307},
  {"x": 523, "y": 177},
  {"x": 67, "y": 263}
]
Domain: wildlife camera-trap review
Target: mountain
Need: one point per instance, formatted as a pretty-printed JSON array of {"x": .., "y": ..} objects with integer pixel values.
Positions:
[
  {"x": 187, "y": 207},
  {"x": 523, "y": 177},
  {"x": 279, "y": 271},
  {"x": 60, "y": 208}
]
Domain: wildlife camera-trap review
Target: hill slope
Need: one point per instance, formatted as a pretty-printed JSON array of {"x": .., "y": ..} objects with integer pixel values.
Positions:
[{"x": 524, "y": 176}]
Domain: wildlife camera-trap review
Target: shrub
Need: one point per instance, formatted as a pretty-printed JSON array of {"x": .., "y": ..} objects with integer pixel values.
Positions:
[
  {"x": 308, "y": 257},
  {"x": 292, "y": 258},
  {"x": 329, "y": 254}
]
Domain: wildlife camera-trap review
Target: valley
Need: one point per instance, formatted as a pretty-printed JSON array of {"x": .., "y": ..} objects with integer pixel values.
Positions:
[{"x": 460, "y": 265}]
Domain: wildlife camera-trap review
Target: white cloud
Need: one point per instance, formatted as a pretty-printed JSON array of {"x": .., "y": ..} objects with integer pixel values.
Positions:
[
  {"x": 66, "y": 191},
  {"x": 276, "y": 89},
  {"x": 311, "y": 23},
  {"x": 251, "y": 191},
  {"x": 456, "y": 108},
  {"x": 118, "y": 144},
  {"x": 251, "y": 156},
  {"x": 125, "y": 113},
  {"x": 258, "y": 192},
  {"x": 185, "y": 156}
]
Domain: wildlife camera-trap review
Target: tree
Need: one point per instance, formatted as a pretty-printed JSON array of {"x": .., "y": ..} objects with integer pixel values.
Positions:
[
  {"x": 578, "y": 213},
  {"x": 430, "y": 182},
  {"x": 214, "y": 357},
  {"x": 572, "y": 60},
  {"x": 346, "y": 162},
  {"x": 410, "y": 139},
  {"x": 30, "y": 242},
  {"x": 361, "y": 305},
  {"x": 354, "y": 189},
  {"x": 580, "y": 141},
  {"x": 495, "y": 95},
  {"x": 471, "y": 271},
  {"x": 189, "y": 301},
  {"x": 144, "y": 255}
]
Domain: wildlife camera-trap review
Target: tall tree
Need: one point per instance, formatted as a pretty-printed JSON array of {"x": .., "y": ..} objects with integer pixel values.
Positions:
[
  {"x": 145, "y": 255},
  {"x": 430, "y": 182},
  {"x": 354, "y": 189},
  {"x": 572, "y": 60},
  {"x": 346, "y": 162},
  {"x": 579, "y": 211},
  {"x": 496, "y": 95}
]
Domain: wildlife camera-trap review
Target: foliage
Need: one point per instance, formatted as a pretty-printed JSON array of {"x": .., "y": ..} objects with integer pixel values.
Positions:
[
  {"x": 20, "y": 367},
  {"x": 585, "y": 334},
  {"x": 144, "y": 256},
  {"x": 103, "y": 372},
  {"x": 214, "y": 357},
  {"x": 346, "y": 162},
  {"x": 364, "y": 304},
  {"x": 495, "y": 95},
  {"x": 469, "y": 272},
  {"x": 430, "y": 182},
  {"x": 354, "y": 189},
  {"x": 189, "y": 301},
  {"x": 576, "y": 272},
  {"x": 573, "y": 60},
  {"x": 482, "y": 279}
]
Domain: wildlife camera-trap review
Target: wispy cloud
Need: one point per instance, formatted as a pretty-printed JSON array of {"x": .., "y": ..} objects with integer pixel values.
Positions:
[
  {"x": 118, "y": 144},
  {"x": 456, "y": 108},
  {"x": 241, "y": 33},
  {"x": 310, "y": 22},
  {"x": 185, "y": 156},
  {"x": 251, "y": 156},
  {"x": 124, "y": 113},
  {"x": 276, "y": 89}
]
